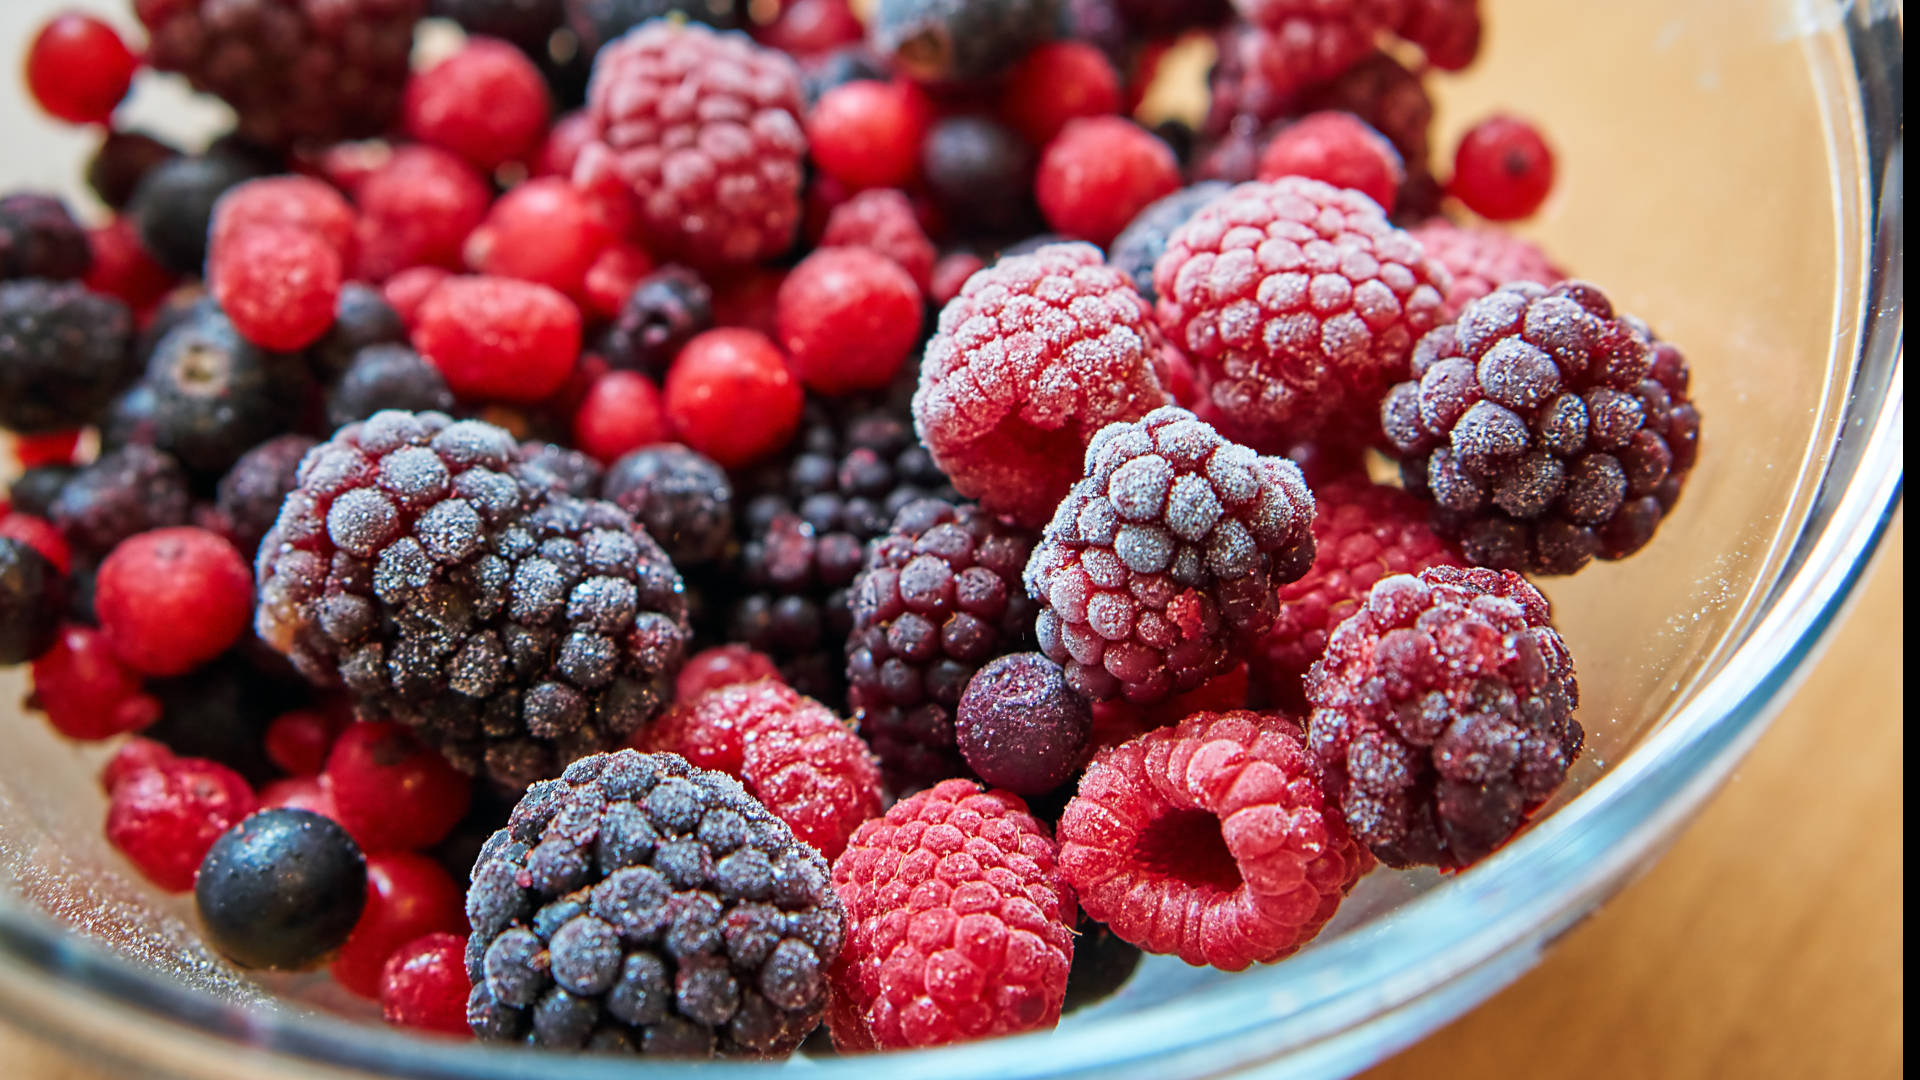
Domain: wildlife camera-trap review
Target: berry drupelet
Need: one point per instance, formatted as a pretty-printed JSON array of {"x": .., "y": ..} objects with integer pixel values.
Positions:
[
  {"x": 1443, "y": 714},
  {"x": 447, "y": 585},
  {"x": 1163, "y": 562},
  {"x": 1547, "y": 428},
  {"x": 64, "y": 353},
  {"x": 640, "y": 905}
]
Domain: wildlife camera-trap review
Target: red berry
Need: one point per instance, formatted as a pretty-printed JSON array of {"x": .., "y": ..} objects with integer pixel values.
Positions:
[
  {"x": 299, "y": 202},
  {"x": 950, "y": 274},
  {"x": 615, "y": 273},
  {"x": 544, "y": 231},
  {"x": 730, "y": 396},
  {"x": 416, "y": 210},
  {"x": 425, "y": 985},
  {"x": 1503, "y": 169},
  {"x": 1058, "y": 82},
  {"x": 86, "y": 692},
  {"x": 299, "y": 793},
  {"x": 279, "y": 285},
  {"x": 53, "y": 448},
  {"x": 135, "y": 755},
  {"x": 392, "y": 792},
  {"x": 565, "y": 139},
  {"x": 347, "y": 165},
  {"x": 122, "y": 268},
  {"x": 867, "y": 133},
  {"x": 808, "y": 27},
  {"x": 408, "y": 289},
  {"x": 39, "y": 534},
  {"x": 171, "y": 599},
  {"x": 722, "y": 665},
  {"x": 848, "y": 317},
  {"x": 1100, "y": 172},
  {"x": 621, "y": 412},
  {"x": 78, "y": 69},
  {"x": 408, "y": 896},
  {"x": 497, "y": 339},
  {"x": 745, "y": 298},
  {"x": 164, "y": 820},
  {"x": 883, "y": 220},
  {"x": 1338, "y": 148},
  {"x": 486, "y": 103},
  {"x": 298, "y": 741}
]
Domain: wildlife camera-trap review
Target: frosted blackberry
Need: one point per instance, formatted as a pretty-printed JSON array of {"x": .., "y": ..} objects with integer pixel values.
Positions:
[
  {"x": 682, "y": 498},
  {"x": 247, "y": 501},
  {"x": 1164, "y": 560},
  {"x": 40, "y": 239},
  {"x": 938, "y": 598},
  {"x": 638, "y": 904},
  {"x": 127, "y": 491},
  {"x": 446, "y": 584},
  {"x": 64, "y": 354}
]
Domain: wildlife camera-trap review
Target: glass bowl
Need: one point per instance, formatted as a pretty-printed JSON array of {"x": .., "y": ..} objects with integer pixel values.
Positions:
[{"x": 1729, "y": 171}]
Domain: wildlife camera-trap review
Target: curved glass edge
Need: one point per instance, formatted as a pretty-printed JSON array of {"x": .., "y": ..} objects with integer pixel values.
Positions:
[{"x": 1339, "y": 1008}]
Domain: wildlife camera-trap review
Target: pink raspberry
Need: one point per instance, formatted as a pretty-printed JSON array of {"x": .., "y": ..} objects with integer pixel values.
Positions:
[
  {"x": 1480, "y": 260},
  {"x": 1448, "y": 31},
  {"x": 1211, "y": 841},
  {"x": 959, "y": 923},
  {"x": 883, "y": 220},
  {"x": 1311, "y": 41},
  {"x": 1035, "y": 355}
]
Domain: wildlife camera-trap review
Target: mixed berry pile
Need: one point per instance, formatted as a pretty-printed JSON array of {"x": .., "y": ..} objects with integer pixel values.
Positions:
[{"x": 595, "y": 540}]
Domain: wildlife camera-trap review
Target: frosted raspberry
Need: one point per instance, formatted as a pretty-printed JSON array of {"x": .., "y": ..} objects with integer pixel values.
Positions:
[
  {"x": 722, "y": 665},
  {"x": 1299, "y": 305},
  {"x": 1211, "y": 841},
  {"x": 1163, "y": 561},
  {"x": 1480, "y": 260},
  {"x": 704, "y": 128},
  {"x": 1312, "y": 41},
  {"x": 959, "y": 923},
  {"x": 1443, "y": 714},
  {"x": 883, "y": 220},
  {"x": 1035, "y": 355},
  {"x": 1448, "y": 31},
  {"x": 789, "y": 751}
]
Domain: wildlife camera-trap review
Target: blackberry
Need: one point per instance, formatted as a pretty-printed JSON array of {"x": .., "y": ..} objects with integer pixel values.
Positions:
[
  {"x": 980, "y": 174},
  {"x": 938, "y": 598},
  {"x": 960, "y": 41},
  {"x": 386, "y": 377},
  {"x": 294, "y": 72},
  {"x": 664, "y": 311},
  {"x": 596, "y": 22},
  {"x": 64, "y": 353},
  {"x": 1546, "y": 428},
  {"x": 560, "y": 469},
  {"x": 1140, "y": 244},
  {"x": 126, "y": 491},
  {"x": 361, "y": 319},
  {"x": 40, "y": 239},
  {"x": 683, "y": 499},
  {"x": 34, "y": 490},
  {"x": 123, "y": 160},
  {"x": 173, "y": 205},
  {"x": 642, "y": 905},
  {"x": 452, "y": 588},
  {"x": 32, "y": 599},
  {"x": 216, "y": 394},
  {"x": 247, "y": 499},
  {"x": 1164, "y": 560}
]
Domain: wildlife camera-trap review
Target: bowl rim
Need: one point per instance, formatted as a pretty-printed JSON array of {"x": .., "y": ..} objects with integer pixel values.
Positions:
[{"x": 1329, "y": 1005}]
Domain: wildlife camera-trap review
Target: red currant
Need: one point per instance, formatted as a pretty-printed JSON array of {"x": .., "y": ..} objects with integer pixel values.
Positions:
[
  {"x": 407, "y": 895},
  {"x": 393, "y": 793},
  {"x": 78, "y": 69},
  {"x": 730, "y": 396},
  {"x": 1503, "y": 169},
  {"x": 425, "y": 985}
]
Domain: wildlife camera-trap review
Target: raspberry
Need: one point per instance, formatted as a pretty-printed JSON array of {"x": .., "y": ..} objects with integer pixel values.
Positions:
[
  {"x": 620, "y": 413},
  {"x": 704, "y": 129},
  {"x": 33, "y": 594},
  {"x": 683, "y": 499},
  {"x": 848, "y": 317},
  {"x": 173, "y": 206},
  {"x": 1211, "y": 841},
  {"x": 731, "y": 396},
  {"x": 1035, "y": 355},
  {"x": 960, "y": 923},
  {"x": 486, "y": 103},
  {"x": 259, "y": 915},
  {"x": 1362, "y": 532},
  {"x": 407, "y": 895},
  {"x": 1480, "y": 260},
  {"x": 1339, "y": 149},
  {"x": 959, "y": 41},
  {"x": 722, "y": 665},
  {"x": 284, "y": 202},
  {"x": 939, "y": 596},
  {"x": 123, "y": 270},
  {"x": 790, "y": 752},
  {"x": 1305, "y": 42},
  {"x": 980, "y": 174},
  {"x": 277, "y": 285},
  {"x": 164, "y": 819},
  {"x": 122, "y": 161},
  {"x": 417, "y": 210},
  {"x": 216, "y": 395},
  {"x": 1163, "y": 561},
  {"x": 64, "y": 354},
  {"x": 40, "y": 239},
  {"x": 1299, "y": 305},
  {"x": 390, "y": 792},
  {"x": 665, "y": 310},
  {"x": 297, "y": 742},
  {"x": 867, "y": 134},
  {"x": 1443, "y": 714},
  {"x": 1098, "y": 173},
  {"x": 1055, "y": 83},
  {"x": 513, "y": 626},
  {"x": 1141, "y": 243},
  {"x": 1448, "y": 31},
  {"x": 424, "y": 985},
  {"x": 1502, "y": 169},
  {"x": 386, "y": 377},
  {"x": 495, "y": 338},
  {"x": 126, "y": 491},
  {"x": 300, "y": 72},
  {"x": 86, "y": 691},
  {"x": 172, "y": 599},
  {"x": 78, "y": 69},
  {"x": 1019, "y": 726},
  {"x": 649, "y": 906},
  {"x": 1547, "y": 429},
  {"x": 883, "y": 220}
]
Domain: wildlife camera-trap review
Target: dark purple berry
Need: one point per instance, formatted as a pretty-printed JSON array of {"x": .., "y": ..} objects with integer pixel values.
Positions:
[{"x": 1020, "y": 727}]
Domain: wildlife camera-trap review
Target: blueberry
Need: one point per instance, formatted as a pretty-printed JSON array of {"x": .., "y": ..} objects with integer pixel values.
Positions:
[
  {"x": 32, "y": 596},
  {"x": 281, "y": 889},
  {"x": 1020, "y": 727}
]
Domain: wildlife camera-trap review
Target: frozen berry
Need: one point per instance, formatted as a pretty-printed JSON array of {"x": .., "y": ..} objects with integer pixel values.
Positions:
[
  {"x": 40, "y": 239},
  {"x": 1211, "y": 841},
  {"x": 123, "y": 270},
  {"x": 1502, "y": 169},
  {"x": 722, "y": 665},
  {"x": 86, "y": 691},
  {"x": 950, "y": 275},
  {"x": 497, "y": 339},
  {"x": 393, "y": 794},
  {"x": 281, "y": 890},
  {"x": 284, "y": 202},
  {"x": 78, "y": 69},
  {"x": 278, "y": 285},
  {"x": 1098, "y": 173},
  {"x": 866, "y": 134},
  {"x": 134, "y": 755},
  {"x": 1139, "y": 245},
  {"x": 980, "y": 174},
  {"x": 122, "y": 161},
  {"x": 684, "y": 500},
  {"x": 37, "y": 532},
  {"x": 217, "y": 395},
  {"x": 32, "y": 599},
  {"x": 1340, "y": 149},
  {"x": 386, "y": 377},
  {"x": 615, "y": 273},
  {"x": 1034, "y": 356},
  {"x": 883, "y": 220},
  {"x": 165, "y": 818},
  {"x": 362, "y": 319},
  {"x": 1058, "y": 82},
  {"x": 297, "y": 742},
  {"x": 545, "y": 231},
  {"x": 959, "y": 41},
  {"x": 620, "y": 413},
  {"x": 407, "y": 290},
  {"x": 1447, "y": 31},
  {"x": 662, "y": 313},
  {"x": 417, "y": 210},
  {"x": 806, "y": 27},
  {"x": 731, "y": 396},
  {"x": 424, "y": 985},
  {"x": 408, "y": 895},
  {"x": 1020, "y": 727},
  {"x": 1480, "y": 260},
  {"x": 848, "y": 317},
  {"x": 126, "y": 491},
  {"x": 64, "y": 354},
  {"x": 1304, "y": 42},
  {"x": 487, "y": 103},
  {"x": 173, "y": 206},
  {"x": 172, "y": 599}
]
